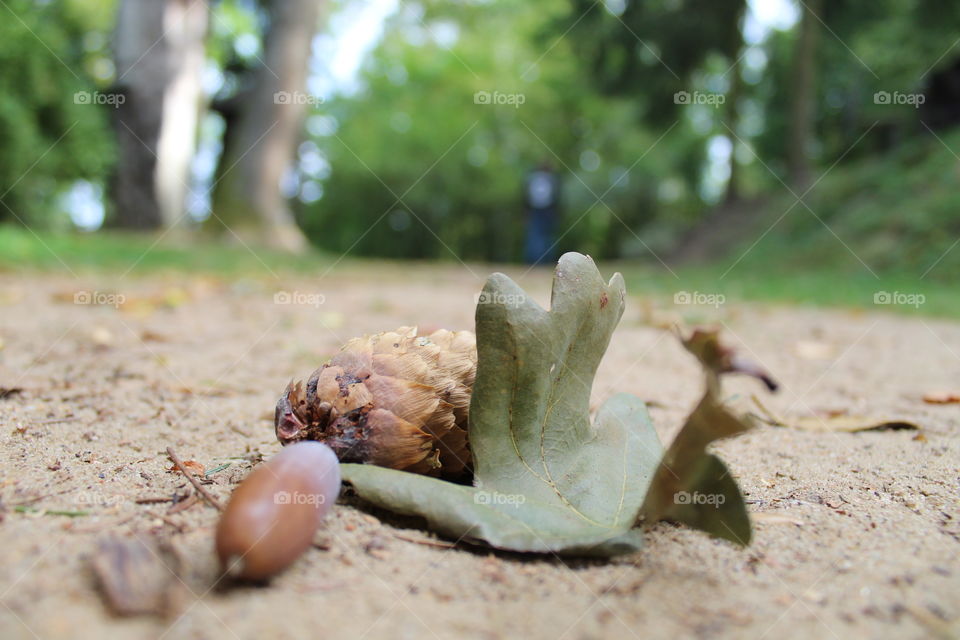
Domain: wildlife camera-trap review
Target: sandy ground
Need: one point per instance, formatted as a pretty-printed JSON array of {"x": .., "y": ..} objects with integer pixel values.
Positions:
[{"x": 856, "y": 534}]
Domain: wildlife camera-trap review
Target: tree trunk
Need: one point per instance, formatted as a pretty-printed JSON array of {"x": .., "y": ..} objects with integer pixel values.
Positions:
[
  {"x": 263, "y": 133},
  {"x": 159, "y": 55},
  {"x": 732, "y": 192},
  {"x": 802, "y": 108},
  {"x": 185, "y": 23}
]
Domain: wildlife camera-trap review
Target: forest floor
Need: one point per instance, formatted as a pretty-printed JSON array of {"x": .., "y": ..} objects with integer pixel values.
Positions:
[{"x": 857, "y": 535}]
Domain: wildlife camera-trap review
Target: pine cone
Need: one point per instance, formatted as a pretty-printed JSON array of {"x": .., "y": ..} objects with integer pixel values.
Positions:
[{"x": 394, "y": 399}]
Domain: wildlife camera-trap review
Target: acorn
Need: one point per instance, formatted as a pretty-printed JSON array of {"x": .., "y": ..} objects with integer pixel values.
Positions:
[
  {"x": 395, "y": 399},
  {"x": 274, "y": 513}
]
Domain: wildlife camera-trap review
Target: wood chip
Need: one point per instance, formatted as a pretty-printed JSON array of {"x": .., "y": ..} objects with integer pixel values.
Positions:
[{"x": 132, "y": 576}]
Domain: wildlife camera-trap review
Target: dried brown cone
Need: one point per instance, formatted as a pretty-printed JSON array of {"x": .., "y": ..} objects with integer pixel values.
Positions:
[{"x": 394, "y": 399}]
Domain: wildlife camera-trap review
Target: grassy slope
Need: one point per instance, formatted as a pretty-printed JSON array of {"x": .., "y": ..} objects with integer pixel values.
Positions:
[{"x": 889, "y": 223}]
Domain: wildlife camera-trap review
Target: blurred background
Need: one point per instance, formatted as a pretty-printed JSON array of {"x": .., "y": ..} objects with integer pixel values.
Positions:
[{"x": 733, "y": 139}]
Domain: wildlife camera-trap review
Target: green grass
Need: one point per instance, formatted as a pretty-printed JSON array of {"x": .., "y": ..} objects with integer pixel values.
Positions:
[
  {"x": 777, "y": 280},
  {"x": 813, "y": 286},
  {"x": 886, "y": 223},
  {"x": 895, "y": 215},
  {"x": 142, "y": 254}
]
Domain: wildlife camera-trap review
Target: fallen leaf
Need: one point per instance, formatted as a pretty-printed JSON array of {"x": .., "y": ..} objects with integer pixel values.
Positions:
[
  {"x": 695, "y": 487},
  {"x": 942, "y": 397},
  {"x": 850, "y": 424},
  {"x": 832, "y": 421},
  {"x": 193, "y": 466},
  {"x": 545, "y": 478}
]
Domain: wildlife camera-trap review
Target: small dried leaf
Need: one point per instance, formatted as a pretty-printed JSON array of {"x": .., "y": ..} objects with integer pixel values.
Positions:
[
  {"x": 692, "y": 486},
  {"x": 833, "y": 421},
  {"x": 850, "y": 424},
  {"x": 942, "y": 397},
  {"x": 193, "y": 466}
]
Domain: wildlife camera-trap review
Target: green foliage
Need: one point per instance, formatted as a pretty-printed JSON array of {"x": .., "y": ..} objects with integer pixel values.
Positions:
[
  {"x": 420, "y": 170},
  {"x": 653, "y": 49},
  {"x": 855, "y": 61},
  {"x": 897, "y": 212},
  {"x": 50, "y": 137}
]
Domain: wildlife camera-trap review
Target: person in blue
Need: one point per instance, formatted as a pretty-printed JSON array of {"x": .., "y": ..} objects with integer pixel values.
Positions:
[{"x": 541, "y": 194}]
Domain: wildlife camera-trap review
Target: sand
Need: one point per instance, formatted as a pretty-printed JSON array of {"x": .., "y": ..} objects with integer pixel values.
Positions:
[{"x": 856, "y": 534}]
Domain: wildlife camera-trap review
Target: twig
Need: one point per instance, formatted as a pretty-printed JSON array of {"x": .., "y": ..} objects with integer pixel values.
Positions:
[
  {"x": 58, "y": 420},
  {"x": 196, "y": 485},
  {"x": 184, "y": 504},
  {"x": 170, "y": 521},
  {"x": 153, "y": 500},
  {"x": 426, "y": 541}
]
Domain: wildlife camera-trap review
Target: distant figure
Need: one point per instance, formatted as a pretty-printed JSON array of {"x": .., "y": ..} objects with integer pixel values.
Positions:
[{"x": 541, "y": 191}]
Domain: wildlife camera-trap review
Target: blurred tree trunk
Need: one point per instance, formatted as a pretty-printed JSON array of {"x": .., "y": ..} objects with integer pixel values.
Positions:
[
  {"x": 159, "y": 56},
  {"x": 732, "y": 192},
  {"x": 803, "y": 106},
  {"x": 264, "y": 127},
  {"x": 186, "y": 23}
]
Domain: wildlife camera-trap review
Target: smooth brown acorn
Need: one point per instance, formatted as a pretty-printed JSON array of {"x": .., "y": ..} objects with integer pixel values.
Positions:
[
  {"x": 394, "y": 399},
  {"x": 274, "y": 513}
]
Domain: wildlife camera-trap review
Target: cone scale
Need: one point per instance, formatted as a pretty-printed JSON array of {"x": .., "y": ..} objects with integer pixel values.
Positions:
[{"x": 395, "y": 399}]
